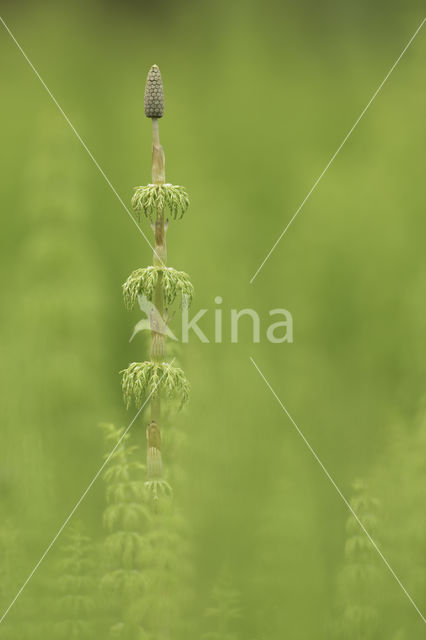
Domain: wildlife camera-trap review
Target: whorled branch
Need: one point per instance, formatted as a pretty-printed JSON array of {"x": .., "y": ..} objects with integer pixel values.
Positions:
[
  {"x": 158, "y": 489},
  {"x": 128, "y": 515},
  {"x": 152, "y": 198},
  {"x": 144, "y": 282},
  {"x": 142, "y": 379}
]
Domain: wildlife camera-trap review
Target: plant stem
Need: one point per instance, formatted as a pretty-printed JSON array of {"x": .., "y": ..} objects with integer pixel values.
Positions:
[
  {"x": 158, "y": 161},
  {"x": 160, "y": 258}
]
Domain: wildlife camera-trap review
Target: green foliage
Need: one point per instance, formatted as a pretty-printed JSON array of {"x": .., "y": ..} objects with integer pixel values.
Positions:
[
  {"x": 130, "y": 515},
  {"x": 359, "y": 577},
  {"x": 142, "y": 379},
  {"x": 156, "y": 197},
  {"x": 166, "y": 569},
  {"x": 74, "y": 587},
  {"x": 126, "y": 518},
  {"x": 223, "y": 611},
  {"x": 144, "y": 553},
  {"x": 144, "y": 282},
  {"x": 158, "y": 489},
  {"x": 403, "y": 468}
]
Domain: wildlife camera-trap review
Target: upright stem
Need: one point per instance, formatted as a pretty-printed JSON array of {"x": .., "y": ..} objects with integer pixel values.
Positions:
[
  {"x": 158, "y": 161},
  {"x": 160, "y": 257}
]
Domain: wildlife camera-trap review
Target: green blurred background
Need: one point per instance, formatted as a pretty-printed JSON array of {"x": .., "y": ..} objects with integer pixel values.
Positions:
[{"x": 259, "y": 95}]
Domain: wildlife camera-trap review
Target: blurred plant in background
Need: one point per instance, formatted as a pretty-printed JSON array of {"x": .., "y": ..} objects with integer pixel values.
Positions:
[
  {"x": 403, "y": 469},
  {"x": 223, "y": 610},
  {"x": 74, "y": 590},
  {"x": 55, "y": 310},
  {"x": 125, "y": 518},
  {"x": 359, "y": 579},
  {"x": 146, "y": 581}
]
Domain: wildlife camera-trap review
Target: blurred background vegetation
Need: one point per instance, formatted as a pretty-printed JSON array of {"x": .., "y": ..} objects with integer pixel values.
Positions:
[{"x": 258, "y": 97}]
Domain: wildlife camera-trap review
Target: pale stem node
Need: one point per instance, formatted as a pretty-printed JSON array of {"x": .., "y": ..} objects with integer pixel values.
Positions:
[
  {"x": 154, "y": 463},
  {"x": 158, "y": 159}
]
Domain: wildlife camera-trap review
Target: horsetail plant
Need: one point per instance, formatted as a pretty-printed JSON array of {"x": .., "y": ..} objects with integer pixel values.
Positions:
[
  {"x": 359, "y": 579},
  {"x": 144, "y": 568},
  {"x": 75, "y": 587},
  {"x": 160, "y": 285},
  {"x": 145, "y": 547},
  {"x": 125, "y": 518}
]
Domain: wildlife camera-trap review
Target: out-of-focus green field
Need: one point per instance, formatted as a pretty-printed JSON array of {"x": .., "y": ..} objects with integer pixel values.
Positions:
[{"x": 259, "y": 95}]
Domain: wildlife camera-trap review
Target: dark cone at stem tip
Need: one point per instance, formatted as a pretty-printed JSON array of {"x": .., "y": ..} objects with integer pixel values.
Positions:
[{"x": 154, "y": 94}]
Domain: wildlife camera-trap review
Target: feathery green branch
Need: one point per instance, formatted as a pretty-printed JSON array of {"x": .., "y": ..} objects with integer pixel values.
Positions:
[
  {"x": 144, "y": 282},
  {"x": 142, "y": 379},
  {"x": 157, "y": 197},
  {"x": 74, "y": 586}
]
